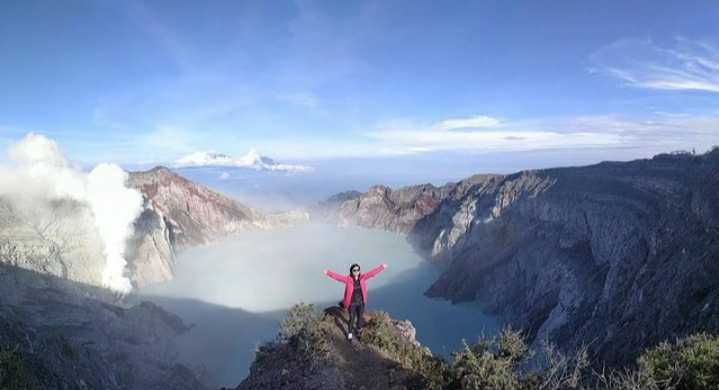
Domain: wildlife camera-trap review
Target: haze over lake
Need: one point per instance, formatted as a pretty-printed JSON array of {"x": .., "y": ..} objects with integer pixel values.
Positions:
[{"x": 236, "y": 291}]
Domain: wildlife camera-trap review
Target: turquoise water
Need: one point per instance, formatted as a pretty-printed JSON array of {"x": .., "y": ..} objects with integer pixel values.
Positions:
[{"x": 236, "y": 291}]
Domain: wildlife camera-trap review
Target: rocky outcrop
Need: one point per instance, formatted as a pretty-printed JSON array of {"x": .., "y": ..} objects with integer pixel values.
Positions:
[
  {"x": 617, "y": 255},
  {"x": 318, "y": 356}
]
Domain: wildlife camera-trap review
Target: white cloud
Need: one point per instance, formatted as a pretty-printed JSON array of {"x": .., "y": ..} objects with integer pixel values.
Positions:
[
  {"x": 687, "y": 65},
  {"x": 474, "y": 122},
  {"x": 484, "y": 134},
  {"x": 658, "y": 132},
  {"x": 251, "y": 160},
  {"x": 426, "y": 141}
]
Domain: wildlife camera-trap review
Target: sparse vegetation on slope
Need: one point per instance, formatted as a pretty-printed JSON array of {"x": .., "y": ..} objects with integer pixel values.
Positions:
[{"x": 387, "y": 358}]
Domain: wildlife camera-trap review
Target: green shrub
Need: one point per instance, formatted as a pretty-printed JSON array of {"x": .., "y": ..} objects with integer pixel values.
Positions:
[
  {"x": 301, "y": 317},
  {"x": 560, "y": 370},
  {"x": 497, "y": 363},
  {"x": 301, "y": 330},
  {"x": 14, "y": 370},
  {"x": 430, "y": 372},
  {"x": 690, "y": 363},
  {"x": 491, "y": 363},
  {"x": 511, "y": 345},
  {"x": 478, "y": 368}
]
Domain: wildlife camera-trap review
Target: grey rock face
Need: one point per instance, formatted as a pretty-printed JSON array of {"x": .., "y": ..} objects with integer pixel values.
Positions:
[
  {"x": 150, "y": 251},
  {"x": 617, "y": 255},
  {"x": 51, "y": 237}
]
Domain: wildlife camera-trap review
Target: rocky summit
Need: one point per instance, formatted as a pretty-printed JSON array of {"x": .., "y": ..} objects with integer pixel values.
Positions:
[{"x": 312, "y": 352}]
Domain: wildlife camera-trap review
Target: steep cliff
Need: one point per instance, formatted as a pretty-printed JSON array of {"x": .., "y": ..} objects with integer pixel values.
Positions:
[{"x": 618, "y": 255}]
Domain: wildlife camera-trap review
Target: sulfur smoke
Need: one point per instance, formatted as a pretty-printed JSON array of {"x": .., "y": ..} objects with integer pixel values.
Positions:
[{"x": 40, "y": 172}]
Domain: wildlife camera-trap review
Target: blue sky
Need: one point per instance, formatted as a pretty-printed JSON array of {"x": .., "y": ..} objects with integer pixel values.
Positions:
[{"x": 546, "y": 82}]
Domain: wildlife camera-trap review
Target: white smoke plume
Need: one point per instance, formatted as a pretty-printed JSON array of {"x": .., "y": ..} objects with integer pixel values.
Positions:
[{"x": 42, "y": 172}]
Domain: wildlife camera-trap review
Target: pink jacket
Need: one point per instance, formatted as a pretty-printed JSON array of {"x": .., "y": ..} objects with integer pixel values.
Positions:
[{"x": 349, "y": 285}]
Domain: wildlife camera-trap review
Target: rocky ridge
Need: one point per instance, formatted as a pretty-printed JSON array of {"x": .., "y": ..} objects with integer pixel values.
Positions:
[
  {"x": 617, "y": 255},
  {"x": 396, "y": 210}
]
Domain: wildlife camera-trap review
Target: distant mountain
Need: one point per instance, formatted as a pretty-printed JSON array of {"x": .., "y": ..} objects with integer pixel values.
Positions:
[
  {"x": 252, "y": 160},
  {"x": 396, "y": 210},
  {"x": 616, "y": 255}
]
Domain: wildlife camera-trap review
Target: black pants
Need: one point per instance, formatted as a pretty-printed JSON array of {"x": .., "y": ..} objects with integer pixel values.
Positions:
[{"x": 356, "y": 310}]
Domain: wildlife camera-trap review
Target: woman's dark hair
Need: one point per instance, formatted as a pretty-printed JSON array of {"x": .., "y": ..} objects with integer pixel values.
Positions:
[{"x": 354, "y": 265}]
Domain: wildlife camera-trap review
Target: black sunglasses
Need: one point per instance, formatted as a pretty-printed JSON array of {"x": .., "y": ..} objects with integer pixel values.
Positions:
[{"x": 355, "y": 269}]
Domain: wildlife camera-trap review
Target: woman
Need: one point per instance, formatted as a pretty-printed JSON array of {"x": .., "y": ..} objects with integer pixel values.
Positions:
[{"x": 355, "y": 293}]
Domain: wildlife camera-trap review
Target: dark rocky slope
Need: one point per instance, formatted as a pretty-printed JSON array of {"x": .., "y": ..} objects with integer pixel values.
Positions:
[
  {"x": 618, "y": 255},
  {"x": 58, "y": 334}
]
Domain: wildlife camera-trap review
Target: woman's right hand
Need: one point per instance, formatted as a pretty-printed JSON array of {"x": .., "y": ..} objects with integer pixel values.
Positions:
[{"x": 326, "y": 272}]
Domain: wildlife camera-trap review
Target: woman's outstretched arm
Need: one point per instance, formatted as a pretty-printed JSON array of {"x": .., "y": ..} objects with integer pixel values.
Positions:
[
  {"x": 374, "y": 271},
  {"x": 335, "y": 276}
]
